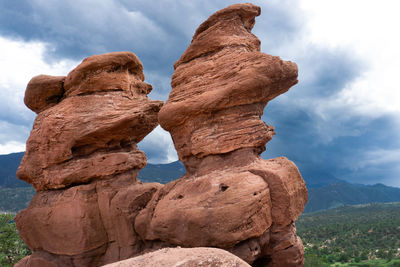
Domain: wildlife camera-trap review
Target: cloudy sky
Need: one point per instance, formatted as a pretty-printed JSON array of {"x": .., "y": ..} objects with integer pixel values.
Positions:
[{"x": 341, "y": 120}]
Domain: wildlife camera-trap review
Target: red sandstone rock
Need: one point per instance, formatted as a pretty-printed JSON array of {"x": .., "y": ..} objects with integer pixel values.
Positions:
[
  {"x": 84, "y": 145},
  {"x": 43, "y": 92},
  {"x": 118, "y": 71},
  {"x": 79, "y": 220},
  {"x": 221, "y": 85},
  {"x": 217, "y": 210},
  {"x": 92, "y": 133},
  {"x": 229, "y": 198},
  {"x": 184, "y": 257},
  {"x": 288, "y": 190}
]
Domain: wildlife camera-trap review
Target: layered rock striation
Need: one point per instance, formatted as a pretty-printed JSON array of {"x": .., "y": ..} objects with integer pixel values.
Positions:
[
  {"x": 83, "y": 160},
  {"x": 229, "y": 198}
]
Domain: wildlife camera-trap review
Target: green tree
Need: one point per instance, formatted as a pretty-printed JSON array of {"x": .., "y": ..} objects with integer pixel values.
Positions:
[
  {"x": 312, "y": 260},
  {"x": 12, "y": 248}
]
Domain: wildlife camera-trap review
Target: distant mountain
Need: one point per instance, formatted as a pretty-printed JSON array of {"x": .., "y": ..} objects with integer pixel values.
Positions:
[
  {"x": 339, "y": 194},
  {"x": 8, "y": 168},
  {"x": 325, "y": 191},
  {"x": 316, "y": 177},
  {"x": 162, "y": 173}
]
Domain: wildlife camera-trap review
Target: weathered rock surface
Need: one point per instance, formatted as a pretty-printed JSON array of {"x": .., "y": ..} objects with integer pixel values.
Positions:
[
  {"x": 229, "y": 198},
  {"x": 184, "y": 257},
  {"x": 83, "y": 160},
  {"x": 93, "y": 130}
]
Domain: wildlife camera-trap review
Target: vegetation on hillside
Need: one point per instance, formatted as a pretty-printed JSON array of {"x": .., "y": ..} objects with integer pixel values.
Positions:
[
  {"x": 12, "y": 248},
  {"x": 15, "y": 199},
  {"x": 363, "y": 235}
]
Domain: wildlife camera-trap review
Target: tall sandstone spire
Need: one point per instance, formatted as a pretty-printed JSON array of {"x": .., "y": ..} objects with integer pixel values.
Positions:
[{"x": 229, "y": 197}]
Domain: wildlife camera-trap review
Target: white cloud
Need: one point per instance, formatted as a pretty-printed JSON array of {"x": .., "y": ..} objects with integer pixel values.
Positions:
[
  {"x": 19, "y": 62},
  {"x": 159, "y": 147},
  {"x": 368, "y": 29},
  {"x": 12, "y": 147}
]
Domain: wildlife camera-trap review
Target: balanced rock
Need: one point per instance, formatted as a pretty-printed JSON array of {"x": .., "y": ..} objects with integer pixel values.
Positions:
[{"x": 229, "y": 198}]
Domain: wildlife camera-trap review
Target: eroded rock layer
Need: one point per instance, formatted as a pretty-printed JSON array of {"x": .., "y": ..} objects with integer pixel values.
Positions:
[{"x": 229, "y": 198}]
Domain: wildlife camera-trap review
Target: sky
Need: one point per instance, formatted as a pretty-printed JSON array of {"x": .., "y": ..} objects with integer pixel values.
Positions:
[{"x": 342, "y": 119}]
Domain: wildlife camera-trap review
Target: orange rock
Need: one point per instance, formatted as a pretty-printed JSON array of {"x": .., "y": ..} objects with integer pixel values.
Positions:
[
  {"x": 229, "y": 198},
  {"x": 221, "y": 85},
  {"x": 117, "y": 71},
  {"x": 93, "y": 223},
  {"x": 169, "y": 257},
  {"x": 85, "y": 145},
  {"x": 92, "y": 133},
  {"x": 288, "y": 189},
  {"x": 43, "y": 92},
  {"x": 220, "y": 209},
  {"x": 54, "y": 216},
  {"x": 83, "y": 160}
]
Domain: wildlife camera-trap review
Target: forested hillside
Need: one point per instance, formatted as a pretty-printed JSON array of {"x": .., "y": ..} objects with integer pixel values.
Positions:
[{"x": 356, "y": 234}]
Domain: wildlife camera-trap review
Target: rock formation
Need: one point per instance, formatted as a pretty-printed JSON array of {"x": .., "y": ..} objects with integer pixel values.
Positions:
[
  {"x": 184, "y": 257},
  {"x": 229, "y": 198},
  {"x": 83, "y": 160},
  {"x": 88, "y": 123}
]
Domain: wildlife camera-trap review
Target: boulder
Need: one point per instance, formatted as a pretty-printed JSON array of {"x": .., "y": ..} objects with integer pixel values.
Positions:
[{"x": 184, "y": 257}]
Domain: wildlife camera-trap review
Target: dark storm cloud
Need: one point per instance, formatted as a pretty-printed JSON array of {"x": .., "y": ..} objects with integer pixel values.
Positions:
[
  {"x": 351, "y": 153},
  {"x": 76, "y": 30},
  {"x": 157, "y": 31}
]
